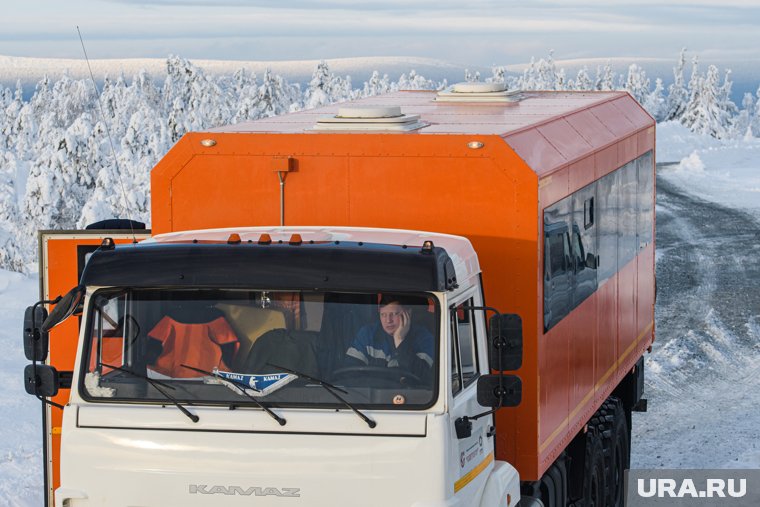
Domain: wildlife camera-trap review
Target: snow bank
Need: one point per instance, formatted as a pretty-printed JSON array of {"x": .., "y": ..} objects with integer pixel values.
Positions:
[
  {"x": 20, "y": 420},
  {"x": 722, "y": 171}
]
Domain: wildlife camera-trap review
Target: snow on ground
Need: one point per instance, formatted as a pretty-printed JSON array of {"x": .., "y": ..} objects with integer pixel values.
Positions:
[
  {"x": 20, "y": 430},
  {"x": 726, "y": 172},
  {"x": 703, "y": 376}
]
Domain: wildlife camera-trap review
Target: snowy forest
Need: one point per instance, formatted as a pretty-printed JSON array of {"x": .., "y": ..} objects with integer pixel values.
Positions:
[{"x": 62, "y": 167}]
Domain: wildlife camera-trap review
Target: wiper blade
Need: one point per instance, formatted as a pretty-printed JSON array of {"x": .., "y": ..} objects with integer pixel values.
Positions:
[
  {"x": 241, "y": 386},
  {"x": 330, "y": 389},
  {"x": 156, "y": 384}
]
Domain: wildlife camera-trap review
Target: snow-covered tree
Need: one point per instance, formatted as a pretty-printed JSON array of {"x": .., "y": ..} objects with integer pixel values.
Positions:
[
  {"x": 58, "y": 168},
  {"x": 743, "y": 121},
  {"x": 706, "y": 113},
  {"x": 376, "y": 85},
  {"x": 605, "y": 78},
  {"x": 275, "y": 96},
  {"x": 497, "y": 75},
  {"x": 415, "y": 81},
  {"x": 471, "y": 77},
  {"x": 755, "y": 116},
  {"x": 655, "y": 102},
  {"x": 678, "y": 95},
  {"x": 637, "y": 83},
  {"x": 543, "y": 75}
]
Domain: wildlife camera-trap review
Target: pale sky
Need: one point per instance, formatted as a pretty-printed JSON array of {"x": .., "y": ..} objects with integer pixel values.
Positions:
[{"x": 478, "y": 32}]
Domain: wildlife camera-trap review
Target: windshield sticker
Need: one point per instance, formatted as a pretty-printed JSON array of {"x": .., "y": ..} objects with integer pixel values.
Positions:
[{"x": 260, "y": 384}]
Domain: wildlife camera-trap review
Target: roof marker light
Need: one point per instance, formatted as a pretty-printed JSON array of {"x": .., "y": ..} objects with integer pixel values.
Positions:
[
  {"x": 265, "y": 239},
  {"x": 208, "y": 143},
  {"x": 295, "y": 240},
  {"x": 475, "y": 145},
  {"x": 234, "y": 239}
]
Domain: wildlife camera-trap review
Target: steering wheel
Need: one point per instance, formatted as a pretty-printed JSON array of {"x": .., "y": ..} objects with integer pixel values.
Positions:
[{"x": 393, "y": 377}]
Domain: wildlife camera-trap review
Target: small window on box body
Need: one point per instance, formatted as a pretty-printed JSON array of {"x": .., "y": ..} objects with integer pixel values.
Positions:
[{"x": 588, "y": 212}]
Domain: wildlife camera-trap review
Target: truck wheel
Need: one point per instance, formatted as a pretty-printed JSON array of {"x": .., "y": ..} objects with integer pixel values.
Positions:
[
  {"x": 620, "y": 459},
  {"x": 594, "y": 474},
  {"x": 611, "y": 423}
]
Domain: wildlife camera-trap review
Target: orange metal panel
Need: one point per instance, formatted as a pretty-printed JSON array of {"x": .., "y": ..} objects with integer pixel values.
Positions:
[
  {"x": 536, "y": 151},
  {"x": 590, "y": 128},
  {"x": 554, "y": 187},
  {"x": 627, "y": 310},
  {"x": 645, "y": 140},
  {"x": 606, "y": 344},
  {"x": 59, "y": 274},
  {"x": 581, "y": 173},
  {"x": 628, "y": 149},
  {"x": 645, "y": 288},
  {"x": 606, "y": 161},
  {"x": 565, "y": 139},
  {"x": 615, "y": 122},
  {"x": 633, "y": 112},
  {"x": 554, "y": 403}
]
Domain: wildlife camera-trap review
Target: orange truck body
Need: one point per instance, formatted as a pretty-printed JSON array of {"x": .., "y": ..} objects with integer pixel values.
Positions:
[{"x": 534, "y": 153}]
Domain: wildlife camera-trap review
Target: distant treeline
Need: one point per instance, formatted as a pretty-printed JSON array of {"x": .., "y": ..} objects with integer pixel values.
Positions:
[{"x": 57, "y": 164}]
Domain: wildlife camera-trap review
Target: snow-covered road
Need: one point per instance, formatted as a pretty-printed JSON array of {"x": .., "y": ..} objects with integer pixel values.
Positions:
[{"x": 703, "y": 377}]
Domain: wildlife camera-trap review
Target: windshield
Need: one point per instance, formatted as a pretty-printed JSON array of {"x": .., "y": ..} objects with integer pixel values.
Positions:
[{"x": 226, "y": 346}]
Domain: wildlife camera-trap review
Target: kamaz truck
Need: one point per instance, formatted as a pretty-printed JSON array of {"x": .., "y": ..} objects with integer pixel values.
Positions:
[{"x": 415, "y": 299}]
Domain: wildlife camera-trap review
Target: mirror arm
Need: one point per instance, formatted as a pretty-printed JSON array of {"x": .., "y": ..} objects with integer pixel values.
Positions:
[
  {"x": 49, "y": 402},
  {"x": 36, "y": 337}
]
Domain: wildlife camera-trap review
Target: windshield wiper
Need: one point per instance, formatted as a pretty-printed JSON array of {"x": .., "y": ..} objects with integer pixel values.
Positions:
[
  {"x": 155, "y": 384},
  {"x": 241, "y": 386},
  {"x": 330, "y": 389}
]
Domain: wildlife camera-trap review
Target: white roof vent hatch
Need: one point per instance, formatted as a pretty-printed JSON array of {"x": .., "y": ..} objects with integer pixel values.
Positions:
[
  {"x": 380, "y": 118},
  {"x": 479, "y": 92}
]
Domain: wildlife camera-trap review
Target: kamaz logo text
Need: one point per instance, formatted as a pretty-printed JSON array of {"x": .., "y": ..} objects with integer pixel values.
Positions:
[{"x": 202, "y": 489}]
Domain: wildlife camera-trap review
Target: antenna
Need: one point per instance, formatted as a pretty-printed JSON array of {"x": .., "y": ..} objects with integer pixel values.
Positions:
[{"x": 110, "y": 140}]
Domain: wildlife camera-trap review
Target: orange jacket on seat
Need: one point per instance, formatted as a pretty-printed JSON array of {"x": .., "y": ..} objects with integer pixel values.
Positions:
[{"x": 197, "y": 345}]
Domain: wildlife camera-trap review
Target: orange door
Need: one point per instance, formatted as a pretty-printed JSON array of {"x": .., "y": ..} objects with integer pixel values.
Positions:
[{"x": 63, "y": 255}]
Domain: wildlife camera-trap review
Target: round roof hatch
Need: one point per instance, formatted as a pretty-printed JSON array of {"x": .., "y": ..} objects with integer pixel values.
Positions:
[
  {"x": 478, "y": 87},
  {"x": 379, "y": 118},
  {"x": 477, "y": 91},
  {"x": 369, "y": 112}
]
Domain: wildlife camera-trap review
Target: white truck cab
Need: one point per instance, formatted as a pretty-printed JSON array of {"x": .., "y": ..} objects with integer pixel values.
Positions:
[{"x": 297, "y": 366}]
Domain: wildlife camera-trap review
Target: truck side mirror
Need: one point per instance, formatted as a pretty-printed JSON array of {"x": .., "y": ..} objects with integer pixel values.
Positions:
[
  {"x": 35, "y": 340},
  {"x": 505, "y": 337},
  {"x": 499, "y": 391},
  {"x": 41, "y": 380},
  {"x": 65, "y": 307}
]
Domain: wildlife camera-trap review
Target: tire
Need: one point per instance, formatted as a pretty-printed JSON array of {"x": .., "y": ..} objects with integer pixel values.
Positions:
[
  {"x": 594, "y": 473},
  {"x": 611, "y": 423},
  {"x": 620, "y": 459}
]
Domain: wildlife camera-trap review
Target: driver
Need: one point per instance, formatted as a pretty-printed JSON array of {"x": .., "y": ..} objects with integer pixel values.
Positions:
[{"x": 394, "y": 341}]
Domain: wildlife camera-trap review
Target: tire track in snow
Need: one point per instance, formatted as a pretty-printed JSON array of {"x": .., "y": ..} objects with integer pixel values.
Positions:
[{"x": 703, "y": 377}]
